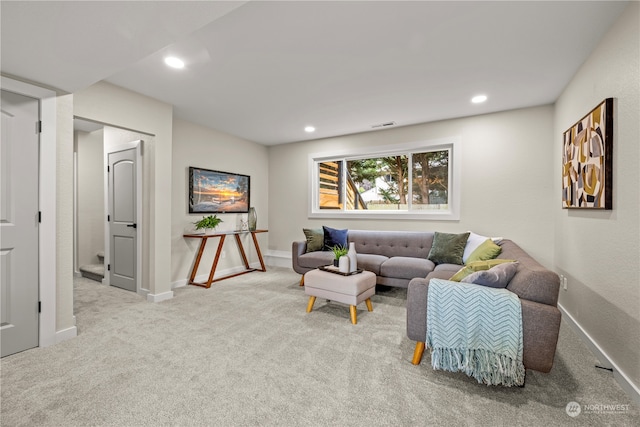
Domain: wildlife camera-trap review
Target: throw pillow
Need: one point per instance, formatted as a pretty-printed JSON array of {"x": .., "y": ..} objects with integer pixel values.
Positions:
[
  {"x": 472, "y": 267},
  {"x": 487, "y": 250},
  {"x": 495, "y": 277},
  {"x": 334, "y": 237},
  {"x": 448, "y": 248},
  {"x": 474, "y": 241},
  {"x": 315, "y": 239}
]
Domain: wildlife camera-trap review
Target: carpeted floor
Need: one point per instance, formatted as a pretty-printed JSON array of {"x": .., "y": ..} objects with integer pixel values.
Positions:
[{"x": 245, "y": 353}]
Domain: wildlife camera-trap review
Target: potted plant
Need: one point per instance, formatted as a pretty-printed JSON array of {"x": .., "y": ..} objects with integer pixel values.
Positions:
[
  {"x": 338, "y": 251},
  {"x": 208, "y": 222}
]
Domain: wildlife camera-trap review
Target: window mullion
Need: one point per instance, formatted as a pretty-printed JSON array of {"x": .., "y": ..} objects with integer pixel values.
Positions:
[{"x": 409, "y": 181}]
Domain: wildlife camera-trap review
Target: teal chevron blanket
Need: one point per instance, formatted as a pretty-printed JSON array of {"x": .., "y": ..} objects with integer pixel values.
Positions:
[{"x": 476, "y": 330}]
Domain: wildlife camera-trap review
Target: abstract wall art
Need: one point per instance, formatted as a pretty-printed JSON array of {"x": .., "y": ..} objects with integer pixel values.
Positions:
[{"x": 587, "y": 160}]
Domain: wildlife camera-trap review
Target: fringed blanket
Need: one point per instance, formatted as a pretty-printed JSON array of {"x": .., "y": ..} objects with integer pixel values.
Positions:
[{"x": 476, "y": 330}]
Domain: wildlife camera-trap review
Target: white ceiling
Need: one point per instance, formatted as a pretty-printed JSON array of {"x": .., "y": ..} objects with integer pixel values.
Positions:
[{"x": 263, "y": 70}]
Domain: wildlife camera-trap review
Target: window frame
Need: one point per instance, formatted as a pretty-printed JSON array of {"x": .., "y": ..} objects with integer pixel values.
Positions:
[{"x": 454, "y": 189}]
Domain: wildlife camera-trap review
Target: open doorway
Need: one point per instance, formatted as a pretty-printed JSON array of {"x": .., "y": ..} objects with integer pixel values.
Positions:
[
  {"x": 89, "y": 209},
  {"x": 102, "y": 251}
]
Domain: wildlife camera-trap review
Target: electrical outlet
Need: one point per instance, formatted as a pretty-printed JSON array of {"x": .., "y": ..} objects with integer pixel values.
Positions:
[
  {"x": 563, "y": 282},
  {"x": 223, "y": 254}
]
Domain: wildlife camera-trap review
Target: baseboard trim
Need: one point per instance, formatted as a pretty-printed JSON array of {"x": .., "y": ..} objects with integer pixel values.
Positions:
[
  {"x": 160, "y": 297},
  {"x": 278, "y": 258},
  {"x": 66, "y": 334},
  {"x": 619, "y": 375}
]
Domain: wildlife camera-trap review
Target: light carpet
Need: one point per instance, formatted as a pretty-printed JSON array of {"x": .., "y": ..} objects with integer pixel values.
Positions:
[{"x": 245, "y": 353}]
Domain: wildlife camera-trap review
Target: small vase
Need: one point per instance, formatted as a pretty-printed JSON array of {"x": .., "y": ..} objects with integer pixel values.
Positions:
[
  {"x": 353, "y": 260},
  {"x": 343, "y": 264},
  {"x": 252, "y": 218}
]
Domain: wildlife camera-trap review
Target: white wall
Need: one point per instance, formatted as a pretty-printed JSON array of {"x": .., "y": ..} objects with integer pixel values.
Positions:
[
  {"x": 599, "y": 251},
  {"x": 195, "y": 145},
  {"x": 110, "y": 104},
  {"x": 507, "y": 179},
  {"x": 65, "y": 319},
  {"x": 90, "y": 200}
]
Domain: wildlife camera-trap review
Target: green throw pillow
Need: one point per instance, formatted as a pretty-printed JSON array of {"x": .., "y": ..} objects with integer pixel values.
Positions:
[
  {"x": 472, "y": 267},
  {"x": 486, "y": 250},
  {"x": 448, "y": 248},
  {"x": 315, "y": 239}
]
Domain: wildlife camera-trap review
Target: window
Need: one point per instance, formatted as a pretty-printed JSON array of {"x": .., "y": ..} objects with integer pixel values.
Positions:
[{"x": 414, "y": 181}]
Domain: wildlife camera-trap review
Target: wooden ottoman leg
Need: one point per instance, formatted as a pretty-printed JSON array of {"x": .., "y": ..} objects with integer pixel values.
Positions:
[
  {"x": 312, "y": 301},
  {"x": 417, "y": 353},
  {"x": 354, "y": 314},
  {"x": 369, "y": 306}
]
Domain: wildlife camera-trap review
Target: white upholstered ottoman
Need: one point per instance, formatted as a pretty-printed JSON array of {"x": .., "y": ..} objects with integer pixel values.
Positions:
[{"x": 350, "y": 290}]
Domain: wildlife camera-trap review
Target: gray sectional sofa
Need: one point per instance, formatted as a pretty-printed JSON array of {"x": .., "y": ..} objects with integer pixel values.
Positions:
[
  {"x": 399, "y": 258},
  {"x": 395, "y": 257}
]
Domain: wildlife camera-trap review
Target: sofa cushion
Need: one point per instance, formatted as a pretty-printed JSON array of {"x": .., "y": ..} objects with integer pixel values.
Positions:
[
  {"x": 495, "y": 277},
  {"x": 315, "y": 239},
  {"x": 315, "y": 259},
  {"x": 392, "y": 243},
  {"x": 371, "y": 262},
  {"x": 406, "y": 267},
  {"x": 334, "y": 237},
  {"x": 472, "y": 267},
  {"x": 448, "y": 248},
  {"x": 486, "y": 250},
  {"x": 453, "y": 268}
]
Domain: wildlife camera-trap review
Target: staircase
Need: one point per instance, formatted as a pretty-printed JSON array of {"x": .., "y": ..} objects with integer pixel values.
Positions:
[{"x": 94, "y": 271}]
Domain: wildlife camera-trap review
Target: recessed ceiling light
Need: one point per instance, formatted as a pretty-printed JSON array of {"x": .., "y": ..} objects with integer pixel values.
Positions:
[
  {"x": 478, "y": 99},
  {"x": 174, "y": 62},
  {"x": 309, "y": 129}
]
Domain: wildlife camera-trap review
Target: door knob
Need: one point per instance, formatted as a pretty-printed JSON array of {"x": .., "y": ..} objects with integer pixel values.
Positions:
[{"x": 134, "y": 225}]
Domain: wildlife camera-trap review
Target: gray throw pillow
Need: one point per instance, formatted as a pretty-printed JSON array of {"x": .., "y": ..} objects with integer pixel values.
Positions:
[
  {"x": 495, "y": 277},
  {"x": 315, "y": 239},
  {"x": 448, "y": 248}
]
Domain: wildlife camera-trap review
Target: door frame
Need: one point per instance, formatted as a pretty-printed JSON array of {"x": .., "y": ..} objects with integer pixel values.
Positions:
[
  {"x": 47, "y": 181},
  {"x": 137, "y": 145}
]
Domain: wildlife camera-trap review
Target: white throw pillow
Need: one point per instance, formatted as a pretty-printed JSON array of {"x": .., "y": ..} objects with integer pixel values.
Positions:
[{"x": 474, "y": 241}]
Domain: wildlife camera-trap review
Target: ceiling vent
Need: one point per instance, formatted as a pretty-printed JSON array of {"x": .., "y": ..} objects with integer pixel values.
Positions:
[{"x": 383, "y": 125}]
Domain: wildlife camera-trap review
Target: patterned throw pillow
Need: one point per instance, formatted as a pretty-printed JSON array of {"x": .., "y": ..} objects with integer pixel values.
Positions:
[
  {"x": 315, "y": 239},
  {"x": 448, "y": 248},
  {"x": 495, "y": 277}
]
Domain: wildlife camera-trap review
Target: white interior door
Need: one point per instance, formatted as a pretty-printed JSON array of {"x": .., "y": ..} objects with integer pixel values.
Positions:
[
  {"x": 19, "y": 223},
  {"x": 123, "y": 229}
]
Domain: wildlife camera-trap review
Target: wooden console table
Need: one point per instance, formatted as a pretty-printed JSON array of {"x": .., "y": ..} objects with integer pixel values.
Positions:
[{"x": 222, "y": 235}]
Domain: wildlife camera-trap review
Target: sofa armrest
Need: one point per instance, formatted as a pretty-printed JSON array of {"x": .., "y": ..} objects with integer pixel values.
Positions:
[
  {"x": 540, "y": 326},
  {"x": 540, "y": 330},
  {"x": 417, "y": 309},
  {"x": 297, "y": 249}
]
